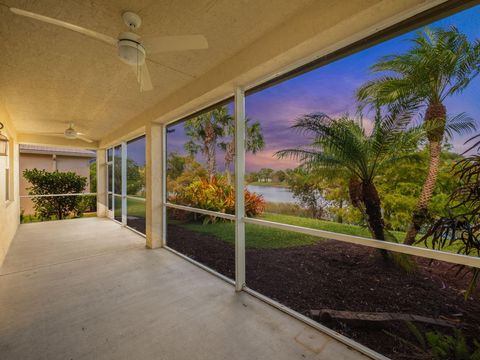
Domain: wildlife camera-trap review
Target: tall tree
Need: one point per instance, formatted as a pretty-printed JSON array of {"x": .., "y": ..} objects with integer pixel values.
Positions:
[
  {"x": 204, "y": 132},
  {"x": 440, "y": 63},
  {"x": 253, "y": 142},
  {"x": 343, "y": 146}
]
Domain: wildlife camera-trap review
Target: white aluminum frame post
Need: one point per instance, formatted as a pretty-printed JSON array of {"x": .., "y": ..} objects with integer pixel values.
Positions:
[
  {"x": 124, "y": 183},
  {"x": 239, "y": 189}
]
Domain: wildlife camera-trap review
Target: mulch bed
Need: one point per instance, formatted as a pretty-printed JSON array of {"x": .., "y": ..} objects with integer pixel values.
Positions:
[
  {"x": 341, "y": 276},
  {"x": 137, "y": 223}
]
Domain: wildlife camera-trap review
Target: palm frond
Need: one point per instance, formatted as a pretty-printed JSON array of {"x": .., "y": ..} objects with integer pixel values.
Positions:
[
  {"x": 460, "y": 124},
  {"x": 476, "y": 143}
]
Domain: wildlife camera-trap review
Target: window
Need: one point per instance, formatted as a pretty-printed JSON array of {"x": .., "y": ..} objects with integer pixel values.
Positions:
[
  {"x": 136, "y": 216},
  {"x": 334, "y": 166},
  {"x": 200, "y": 188},
  {"x": 330, "y": 192},
  {"x": 110, "y": 178}
]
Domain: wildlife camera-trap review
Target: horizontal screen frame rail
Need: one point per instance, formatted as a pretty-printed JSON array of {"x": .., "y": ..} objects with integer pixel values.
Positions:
[
  {"x": 200, "y": 211},
  {"x": 56, "y": 195},
  {"x": 454, "y": 258}
]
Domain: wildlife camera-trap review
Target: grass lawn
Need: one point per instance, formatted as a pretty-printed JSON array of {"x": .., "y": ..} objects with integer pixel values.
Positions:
[
  {"x": 257, "y": 236},
  {"x": 262, "y": 237},
  {"x": 136, "y": 208}
]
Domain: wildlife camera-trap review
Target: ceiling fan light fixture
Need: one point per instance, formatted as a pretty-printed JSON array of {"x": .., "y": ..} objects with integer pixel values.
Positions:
[
  {"x": 70, "y": 133},
  {"x": 130, "y": 50}
]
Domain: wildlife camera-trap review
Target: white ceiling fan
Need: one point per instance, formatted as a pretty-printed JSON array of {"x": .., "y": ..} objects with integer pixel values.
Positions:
[
  {"x": 69, "y": 133},
  {"x": 132, "y": 50}
]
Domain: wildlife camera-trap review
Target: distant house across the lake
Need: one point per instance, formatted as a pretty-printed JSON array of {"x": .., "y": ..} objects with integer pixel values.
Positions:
[{"x": 52, "y": 159}]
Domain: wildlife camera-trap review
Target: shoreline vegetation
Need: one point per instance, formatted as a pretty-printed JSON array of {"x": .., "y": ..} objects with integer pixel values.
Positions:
[{"x": 266, "y": 184}]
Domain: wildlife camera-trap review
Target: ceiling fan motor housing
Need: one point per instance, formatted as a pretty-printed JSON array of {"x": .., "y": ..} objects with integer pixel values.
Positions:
[
  {"x": 70, "y": 133},
  {"x": 130, "y": 50}
]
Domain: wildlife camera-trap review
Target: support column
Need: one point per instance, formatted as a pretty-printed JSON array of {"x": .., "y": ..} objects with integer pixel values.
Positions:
[
  {"x": 239, "y": 189},
  {"x": 154, "y": 185},
  {"x": 102, "y": 198}
]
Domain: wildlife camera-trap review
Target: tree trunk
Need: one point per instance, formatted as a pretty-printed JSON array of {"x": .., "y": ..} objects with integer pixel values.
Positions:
[
  {"x": 210, "y": 149},
  {"x": 364, "y": 196},
  {"x": 229, "y": 157},
  {"x": 420, "y": 214},
  {"x": 435, "y": 119},
  {"x": 373, "y": 210}
]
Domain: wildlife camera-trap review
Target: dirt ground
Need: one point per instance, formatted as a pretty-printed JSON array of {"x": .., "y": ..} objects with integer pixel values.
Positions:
[{"x": 341, "y": 276}]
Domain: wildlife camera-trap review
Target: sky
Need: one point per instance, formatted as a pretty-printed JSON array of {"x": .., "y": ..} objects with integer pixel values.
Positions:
[
  {"x": 136, "y": 150},
  {"x": 330, "y": 89}
]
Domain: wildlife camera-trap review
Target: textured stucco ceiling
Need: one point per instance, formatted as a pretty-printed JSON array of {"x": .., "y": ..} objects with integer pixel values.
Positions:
[{"x": 50, "y": 76}]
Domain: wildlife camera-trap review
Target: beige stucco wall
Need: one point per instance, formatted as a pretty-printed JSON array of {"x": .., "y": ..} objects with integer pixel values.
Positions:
[
  {"x": 79, "y": 165},
  {"x": 9, "y": 210}
]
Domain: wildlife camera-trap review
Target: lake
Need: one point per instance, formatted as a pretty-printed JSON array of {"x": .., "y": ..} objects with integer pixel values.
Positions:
[{"x": 272, "y": 193}]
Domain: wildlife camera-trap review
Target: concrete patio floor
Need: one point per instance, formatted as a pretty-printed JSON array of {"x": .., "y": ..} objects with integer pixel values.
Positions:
[{"x": 89, "y": 289}]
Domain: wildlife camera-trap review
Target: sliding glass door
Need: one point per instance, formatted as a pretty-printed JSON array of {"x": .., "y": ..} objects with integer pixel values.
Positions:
[
  {"x": 135, "y": 195},
  {"x": 126, "y": 183}
]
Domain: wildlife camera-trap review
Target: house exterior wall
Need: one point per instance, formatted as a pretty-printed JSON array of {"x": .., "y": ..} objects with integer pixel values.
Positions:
[
  {"x": 9, "y": 209},
  {"x": 78, "y": 165}
]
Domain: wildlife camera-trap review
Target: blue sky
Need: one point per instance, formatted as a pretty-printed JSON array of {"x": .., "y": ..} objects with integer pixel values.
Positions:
[{"x": 330, "y": 89}]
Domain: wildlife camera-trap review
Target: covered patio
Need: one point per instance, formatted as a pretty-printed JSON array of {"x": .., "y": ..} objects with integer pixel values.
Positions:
[{"x": 70, "y": 294}]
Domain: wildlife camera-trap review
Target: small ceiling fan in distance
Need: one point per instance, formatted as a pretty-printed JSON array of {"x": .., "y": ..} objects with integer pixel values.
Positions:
[
  {"x": 132, "y": 49},
  {"x": 69, "y": 133}
]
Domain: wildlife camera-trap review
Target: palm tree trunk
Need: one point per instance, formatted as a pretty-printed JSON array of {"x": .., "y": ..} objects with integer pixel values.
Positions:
[
  {"x": 435, "y": 119},
  {"x": 373, "y": 210},
  {"x": 229, "y": 157},
  {"x": 365, "y": 193},
  {"x": 209, "y": 144},
  {"x": 420, "y": 214}
]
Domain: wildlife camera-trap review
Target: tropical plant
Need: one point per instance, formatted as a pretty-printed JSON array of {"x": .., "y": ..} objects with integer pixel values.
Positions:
[
  {"x": 43, "y": 182},
  {"x": 342, "y": 146},
  {"x": 462, "y": 226},
  {"x": 440, "y": 63},
  {"x": 215, "y": 194},
  {"x": 254, "y": 141},
  {"x": 440, "y": 346}
]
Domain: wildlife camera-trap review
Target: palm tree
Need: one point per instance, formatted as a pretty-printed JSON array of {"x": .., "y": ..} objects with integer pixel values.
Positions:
[
  {"x": 254, "y": 142},
  {"x": 204, "y": 132},
  {"x": 342, "y": 146},
  {"x": 441, "y": 63}
]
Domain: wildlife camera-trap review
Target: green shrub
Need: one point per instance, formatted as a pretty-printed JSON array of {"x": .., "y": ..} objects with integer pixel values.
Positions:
[
  {"x": 445, "y": 347},
  {"x": 46, "y": 183}
]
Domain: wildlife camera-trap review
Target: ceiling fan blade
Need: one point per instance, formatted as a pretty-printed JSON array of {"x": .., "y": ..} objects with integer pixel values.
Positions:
[
  {"x": 143, "y": 77},
  {"x": 174, "y": 43},
  {"x": 84, "y": 138},
  {"x": 105, "y": 38},
  {"x": 44, "y": 133}
]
